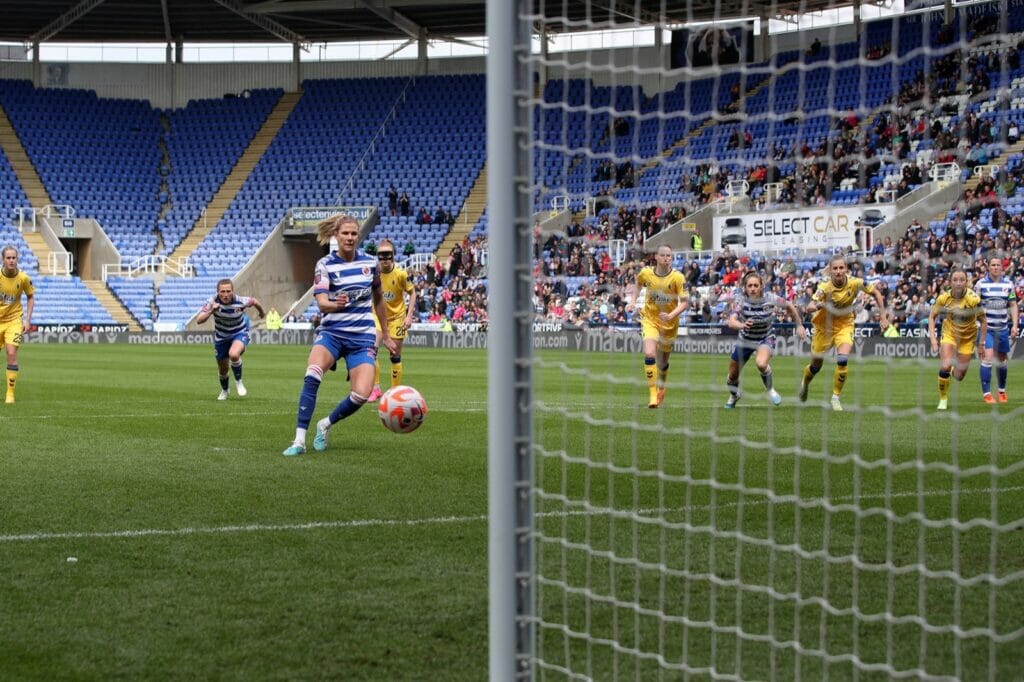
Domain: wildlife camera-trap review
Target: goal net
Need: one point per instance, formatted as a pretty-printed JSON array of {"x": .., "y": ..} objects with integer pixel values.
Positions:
[{"x": 659, "y": 520}]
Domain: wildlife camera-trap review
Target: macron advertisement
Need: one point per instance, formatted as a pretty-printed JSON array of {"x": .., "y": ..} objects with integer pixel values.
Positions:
[{"x": 807, "y": 229}]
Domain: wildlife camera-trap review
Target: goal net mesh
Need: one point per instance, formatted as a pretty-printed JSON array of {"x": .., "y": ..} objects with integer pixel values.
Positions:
[{"x": 771, "y": 542}]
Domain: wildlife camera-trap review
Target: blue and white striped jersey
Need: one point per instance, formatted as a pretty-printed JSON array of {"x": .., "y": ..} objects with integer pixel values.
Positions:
[
  {"x": 995, "y": 299},
  {"x": 759, "y": 312},
  {"x": 229, "y": 319},
  {"x": 356, "y": 278}
]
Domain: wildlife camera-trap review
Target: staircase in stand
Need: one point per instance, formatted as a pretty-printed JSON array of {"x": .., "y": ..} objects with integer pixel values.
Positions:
[
  {"x": 238, "y": 175},
  {"x": 111, "y": 304},
  {"x": 468, "y": 217},
  {"x": 30, "y": 182}
]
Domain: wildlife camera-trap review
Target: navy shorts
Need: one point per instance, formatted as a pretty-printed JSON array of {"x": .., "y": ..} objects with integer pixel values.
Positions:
[
  {"x": 744, "y": 348},
  {"x": 355, "y": 353},
  {"x": 998, "y": 340},
  {"x": 222, "y": 346}
]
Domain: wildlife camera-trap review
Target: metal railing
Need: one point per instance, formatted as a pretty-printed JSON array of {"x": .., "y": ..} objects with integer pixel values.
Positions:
[
  {"x": 58, "y": 264},
  {"x": 177, "y": 267}
]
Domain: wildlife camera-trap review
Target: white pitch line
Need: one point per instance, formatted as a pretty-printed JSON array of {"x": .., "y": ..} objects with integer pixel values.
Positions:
[{"x": 437, "y": 521}]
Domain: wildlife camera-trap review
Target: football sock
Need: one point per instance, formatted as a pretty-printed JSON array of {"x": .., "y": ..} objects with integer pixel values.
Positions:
[
  {"x": 1001, "y": 375},
  {"x": 839, "y": 378},
  {"x": 734, "y": 388},
  {"x": 350, "y": 404},
  {"x": 986, "y": 377},
  {"x": 662, "y": 376},
  {"x": 766, "y": 377},
  {"x": 649, "y": 373},
  {"x": 236, "y": 369},
  {"x": 223, "y": 381},
  {"x": 307, "y": 399},
  {"x": 396, "y": 370},
  {"x": 943, "y": 384},
  {"x": 376, "y": 372},
  {"x": 12, "y": 378},
  {"x": 809, "y": 372}
]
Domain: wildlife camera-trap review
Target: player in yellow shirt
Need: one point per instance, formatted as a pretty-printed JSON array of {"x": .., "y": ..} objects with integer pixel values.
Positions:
[
  {"x": 395, "y": 285},
  {"x": 666, "y": 299},
  {"x": 833, "y": 306},
  {"x": 963, "y": 312},
  {"x": 13, "y": 319}
]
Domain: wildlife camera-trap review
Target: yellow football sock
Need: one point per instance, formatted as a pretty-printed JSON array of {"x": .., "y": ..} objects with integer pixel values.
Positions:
[
  {"x": 651, "y": 376},
  {"x": 662, "y": 378},
  {"x": 376, "y": 372},
  {"x": 396, "y": 374},
  {"x": 839, "y": 380},
  {"x": 12, "y": 379},
  {"x": 808, "y": 374},
  {"x": 943, "y": 387}
]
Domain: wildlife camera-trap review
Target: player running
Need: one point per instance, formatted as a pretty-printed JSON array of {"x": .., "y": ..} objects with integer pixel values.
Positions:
[
  {"x": 395, "y": 285},
  {"x": 998, "y": 298},
  {"x": 833, "y": 307},
  {"x": 13, "y": 283},
  {"x": 231, "y": 332},
  {"x": 346, "y": 285},
  {"x": 753, "y": 316},
  {"x": 666, "y": 299},
  {"x": 963, "y": 311}
]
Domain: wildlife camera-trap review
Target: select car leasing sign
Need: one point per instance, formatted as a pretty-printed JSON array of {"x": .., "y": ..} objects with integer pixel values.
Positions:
[{"x": 810, "y": 229}]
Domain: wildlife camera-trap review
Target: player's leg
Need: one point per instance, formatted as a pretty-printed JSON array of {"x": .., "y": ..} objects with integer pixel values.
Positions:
[
  {"x": 398, "y": 334},
  {"x": 947, "y": 351},
  {"x": 221, "y": 349},
  {"x": 986, "y": 366},
  {"x": 11, "y": 338},
  {"x": 732, "y": 381},
  {"x": 322, "y": 356},
  {"x": 663, "y": 354},
  {"x": 763, "y": 362},
  {"x": 965, "y": 349},
  {"x": 844, "y": 345},
  {"x": 1002, "y": 348},
  {"x": 235, "y": 352},
  {"x": 360, "y": 365},
  {"x": 821, "y": 342},
  {"x": 375, "y": 391},
  {"x": 650, "y": 336}
]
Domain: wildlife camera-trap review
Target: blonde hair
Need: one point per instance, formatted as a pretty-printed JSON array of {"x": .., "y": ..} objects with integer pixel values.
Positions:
[
  {"x": 382, "y": 242},
  {"x": 326, "y": 228},
  {"x": 8, "y": 247}
]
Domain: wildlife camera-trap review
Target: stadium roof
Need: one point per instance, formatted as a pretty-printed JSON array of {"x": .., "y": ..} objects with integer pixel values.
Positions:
[{"x": 314, "y": 21}]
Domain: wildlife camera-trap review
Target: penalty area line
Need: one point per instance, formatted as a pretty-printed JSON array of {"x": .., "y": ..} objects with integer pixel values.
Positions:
[{"x": 440, "y": 520}]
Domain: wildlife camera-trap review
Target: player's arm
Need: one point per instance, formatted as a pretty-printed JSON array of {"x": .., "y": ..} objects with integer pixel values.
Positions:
[
  {"x": 255, "y": 303},
  {"x": 1014, "y": 316},
  {"x": 411, "y": 310},
  {"x": 794, "y": 315},
  {"x": 931, "y": 326},
  {"x": 883, "y": 316},
  {"x": 30, "y": 305},
  {"x": 817, "y": 299},
  {"x": 734, "y": 322},
  {"x": 983, "y": 328},
  {"x": 206, "y": 311}
]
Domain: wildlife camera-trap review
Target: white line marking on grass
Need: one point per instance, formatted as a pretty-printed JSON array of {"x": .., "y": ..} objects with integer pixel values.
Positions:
[{"x": 432, "y": 521}]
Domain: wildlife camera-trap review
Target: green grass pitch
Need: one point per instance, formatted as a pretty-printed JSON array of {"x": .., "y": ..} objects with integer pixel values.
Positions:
[{"x": 202, "y": 552}]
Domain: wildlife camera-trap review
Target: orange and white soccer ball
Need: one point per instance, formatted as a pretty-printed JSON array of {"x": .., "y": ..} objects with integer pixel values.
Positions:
[{"x": 402, "y": 409}]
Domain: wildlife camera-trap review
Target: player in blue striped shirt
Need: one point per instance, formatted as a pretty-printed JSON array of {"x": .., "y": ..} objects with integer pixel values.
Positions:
[
  {"x": 231, "y": 332},
  {"x": 346, "y": 286},
  {"x": 753, "y": 316},
  {"x": 999, "y": 300}
]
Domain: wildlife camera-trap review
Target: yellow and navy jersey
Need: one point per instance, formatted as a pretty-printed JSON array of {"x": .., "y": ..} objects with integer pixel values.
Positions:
[
  {"x": 664, "y": 292},
  {"x": 394, "y": 285},
  {"x": 961, "y": 314},
  {"x": 11, "y": 289},
  {"x": 838, "y": 302}
]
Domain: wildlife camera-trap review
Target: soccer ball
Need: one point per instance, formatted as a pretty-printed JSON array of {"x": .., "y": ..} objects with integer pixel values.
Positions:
[{"x": 401, "y": 409}]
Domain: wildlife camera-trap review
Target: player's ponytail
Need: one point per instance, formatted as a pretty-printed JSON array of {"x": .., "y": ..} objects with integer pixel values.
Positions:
[{"x": 326, "y": 228}]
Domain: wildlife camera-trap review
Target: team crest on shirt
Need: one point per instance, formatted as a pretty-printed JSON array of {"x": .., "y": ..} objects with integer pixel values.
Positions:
[{"x": 366, "y": 271}]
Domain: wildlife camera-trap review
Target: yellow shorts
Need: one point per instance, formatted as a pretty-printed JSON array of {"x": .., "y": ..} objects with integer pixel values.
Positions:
[
  {"x": 825, "y": 339},
  {"x": 665, "y": 336},
  {"x": 394, "y": 327},
  {"x": 964, "y": 345},
  {"x": 10, "y": 333}
]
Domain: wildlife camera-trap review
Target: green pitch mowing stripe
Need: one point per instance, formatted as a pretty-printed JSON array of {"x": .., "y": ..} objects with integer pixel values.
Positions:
[{"x": 201, "y": 551}]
